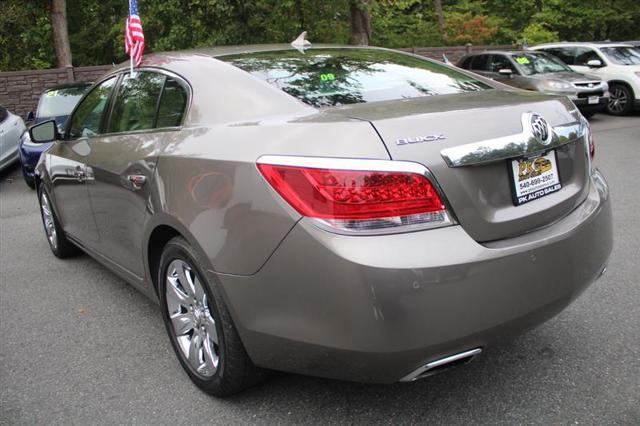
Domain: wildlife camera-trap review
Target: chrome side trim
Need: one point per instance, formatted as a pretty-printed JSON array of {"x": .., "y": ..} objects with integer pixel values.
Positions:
[
  {"x": 361, "y": 164},
  {"x": 440, "y": 363},
  {"x": 492, "y": 150}
]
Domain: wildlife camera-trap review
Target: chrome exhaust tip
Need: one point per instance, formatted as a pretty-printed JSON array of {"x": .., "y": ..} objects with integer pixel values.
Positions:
[
  {"x": 437, "y": 366},
  {"x": 602, "y": 273}
]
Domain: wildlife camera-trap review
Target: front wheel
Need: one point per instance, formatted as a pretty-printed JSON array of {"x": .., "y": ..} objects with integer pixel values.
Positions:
[
  {"x": 199, "y": 325},
  {"x": 620, "y": 100}
]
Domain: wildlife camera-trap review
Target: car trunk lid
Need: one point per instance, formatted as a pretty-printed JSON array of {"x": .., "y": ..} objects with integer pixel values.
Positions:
[{"x": 478, "y": 185}]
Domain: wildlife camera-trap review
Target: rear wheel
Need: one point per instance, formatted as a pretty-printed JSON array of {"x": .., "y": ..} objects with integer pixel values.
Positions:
[
  {"x": 58, "y": 243},
  {"x": 620, "y": 100},
  {"x": 199, "y": 325}
]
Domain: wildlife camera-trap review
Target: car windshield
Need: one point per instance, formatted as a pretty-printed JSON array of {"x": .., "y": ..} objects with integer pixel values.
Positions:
[
  {"x": 332, "y": 77},
  {"x": 59, "y": 102},
  {"x": 622, "y": 55},
  {"x": 539, "y": 63}
]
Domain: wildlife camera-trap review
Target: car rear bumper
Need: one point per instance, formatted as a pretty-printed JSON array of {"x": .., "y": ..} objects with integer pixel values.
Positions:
[{"x": 374, "y": 309}]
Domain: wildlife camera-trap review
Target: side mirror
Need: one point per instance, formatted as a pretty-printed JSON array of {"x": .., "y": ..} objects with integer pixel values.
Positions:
[
  {"x": 30, "y": 116},
  {"x": 594, "y": 63},
  {"x": 44, "y": 132},
  {"x": 505, "y": 72}
]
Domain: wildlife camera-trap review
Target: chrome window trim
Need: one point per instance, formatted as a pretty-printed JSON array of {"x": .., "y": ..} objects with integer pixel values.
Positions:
[
  {"x": 502, "y": 148},
  {"x": 362, "y": 164}
]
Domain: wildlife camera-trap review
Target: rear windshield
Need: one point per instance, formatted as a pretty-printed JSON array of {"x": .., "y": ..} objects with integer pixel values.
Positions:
[
  {"x": 332, "y": 77},
  {"x": 59, "y": 102}
]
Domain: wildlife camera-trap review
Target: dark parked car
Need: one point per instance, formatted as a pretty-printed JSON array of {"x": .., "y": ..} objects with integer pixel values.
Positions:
[
  {"x": 352, "y": 213},
  {"x": 541, "y": 72},
  {"x": 55, "y": 103}
]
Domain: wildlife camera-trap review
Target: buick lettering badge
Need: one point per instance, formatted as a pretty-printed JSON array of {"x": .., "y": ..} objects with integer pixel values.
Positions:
[{"x": 420, "y": 139}]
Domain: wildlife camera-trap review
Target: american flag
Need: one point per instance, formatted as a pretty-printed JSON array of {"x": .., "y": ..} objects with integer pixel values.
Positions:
[{"x": 133, "y": 35}]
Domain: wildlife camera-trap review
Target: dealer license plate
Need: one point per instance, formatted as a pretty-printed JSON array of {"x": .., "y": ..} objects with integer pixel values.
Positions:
[
  {"x": 534, "y": 177},
  {"x": 592, "y": 100}
]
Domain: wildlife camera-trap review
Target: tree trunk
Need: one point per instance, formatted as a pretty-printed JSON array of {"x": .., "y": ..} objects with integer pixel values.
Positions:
[
  {"x": 361, "y": 22},
  {"x": 441, "y": 24},
  {"x": 60, "y": 33}
]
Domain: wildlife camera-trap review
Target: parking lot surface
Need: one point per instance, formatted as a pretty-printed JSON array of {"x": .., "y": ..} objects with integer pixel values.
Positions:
[{"x": 80, "y": 346}]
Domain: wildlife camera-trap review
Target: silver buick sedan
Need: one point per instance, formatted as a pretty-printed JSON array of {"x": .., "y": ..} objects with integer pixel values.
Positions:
[{"x": 351, "y": 213}]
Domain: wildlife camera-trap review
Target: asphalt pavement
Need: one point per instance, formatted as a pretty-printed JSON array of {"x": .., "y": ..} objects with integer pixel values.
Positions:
[{"x": 80, "y": 346}]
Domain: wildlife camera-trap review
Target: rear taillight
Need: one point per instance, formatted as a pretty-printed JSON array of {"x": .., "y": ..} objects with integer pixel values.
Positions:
[{"x": 357, "y": 196}]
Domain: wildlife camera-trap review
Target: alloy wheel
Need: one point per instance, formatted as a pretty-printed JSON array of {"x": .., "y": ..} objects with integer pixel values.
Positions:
[
  {"x": 193, "y": 323},
  {"x": 618, "y": 100},
  {"x": 49, "y": 222}
]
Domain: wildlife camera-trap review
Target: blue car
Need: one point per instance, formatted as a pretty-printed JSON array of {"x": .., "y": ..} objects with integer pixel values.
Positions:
[{"x": 56, "y": 103}]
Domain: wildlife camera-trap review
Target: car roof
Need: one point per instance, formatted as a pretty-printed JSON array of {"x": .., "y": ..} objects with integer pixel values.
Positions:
[
  {"x": 167, "y": 59},
  {"x": 74, "y": 85},
  {"x": 501, "y": 52},
  {"x": 585, "y": 44}
]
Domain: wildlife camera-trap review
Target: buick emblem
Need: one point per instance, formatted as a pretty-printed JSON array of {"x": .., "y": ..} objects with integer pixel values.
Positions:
[{"x": 540, "y": 129}]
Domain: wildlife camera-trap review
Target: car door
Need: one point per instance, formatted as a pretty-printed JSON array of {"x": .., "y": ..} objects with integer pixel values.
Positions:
[
  {"x": 582, "y": 56},
  {"x": 146, "y": 113},
  {"x": 11, "y": 128},
  {"x": 67, "y": 165},
  {"x": 480, "y": 64},
  {"x": 4, "y": 115},
  {"x": 499, "y": 62}
]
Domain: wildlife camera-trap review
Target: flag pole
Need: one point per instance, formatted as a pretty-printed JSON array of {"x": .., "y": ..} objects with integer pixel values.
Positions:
[{"x": 131, "y": 74}]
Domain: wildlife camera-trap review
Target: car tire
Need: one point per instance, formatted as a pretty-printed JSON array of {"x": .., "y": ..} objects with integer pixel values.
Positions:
[
  {"x": 59, "y": 244},
  {"x": 620, "y": 100},
  {"x": 31, "y": 182},
  {"x": 199, "y": 325}
]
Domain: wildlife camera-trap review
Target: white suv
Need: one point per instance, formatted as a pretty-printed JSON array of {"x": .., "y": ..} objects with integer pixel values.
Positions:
[{"x": 618, "y": 64}]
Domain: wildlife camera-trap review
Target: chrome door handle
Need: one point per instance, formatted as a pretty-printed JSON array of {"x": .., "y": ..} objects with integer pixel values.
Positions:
[
  {"x": 79, "y": 174},
  {"x": 137, "y": 181}
]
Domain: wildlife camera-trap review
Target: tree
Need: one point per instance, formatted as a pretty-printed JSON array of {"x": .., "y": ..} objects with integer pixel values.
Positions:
[
  {"x": 441, "y": 24},
  {"x": 360, "y": 22},
  {"x": 60, "y": 33}
]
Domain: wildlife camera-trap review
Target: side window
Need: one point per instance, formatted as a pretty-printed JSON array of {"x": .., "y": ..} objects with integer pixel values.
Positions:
[
  {"x": 584, "y": 55},
  {"x": 3, "y": 114},
  {"x": 88, "y": 116},
  {"x": 565, "y": 54},
  {"x": 466, "y": 62},
  {"x": 500, "y": 62},
  {"x": 136, "y": 102},
  {"x": 480, "y": 62},
  {"x": 173, "y": 103}
]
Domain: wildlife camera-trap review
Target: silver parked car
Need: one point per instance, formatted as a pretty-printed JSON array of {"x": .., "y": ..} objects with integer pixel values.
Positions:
[
  {"x": 352, "y": 213},
  {"x": 541, "y": 72},
  {"x": 11, "y": 128}
]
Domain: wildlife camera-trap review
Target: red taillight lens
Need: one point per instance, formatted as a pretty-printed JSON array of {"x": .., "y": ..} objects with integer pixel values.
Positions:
[
  {"x": 592, "y": 144},
  {"x": 358, "y": 200}
]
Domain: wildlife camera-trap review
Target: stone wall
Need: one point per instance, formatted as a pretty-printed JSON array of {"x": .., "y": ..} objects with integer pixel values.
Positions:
[{"x": 20, "y": 90}]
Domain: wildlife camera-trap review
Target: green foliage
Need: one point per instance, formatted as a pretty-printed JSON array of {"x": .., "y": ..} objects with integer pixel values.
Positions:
[
  {"x": 96, "y": 27},
  {"x": 536, "y": 33},
  {"x": 26, "y": 37}
]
